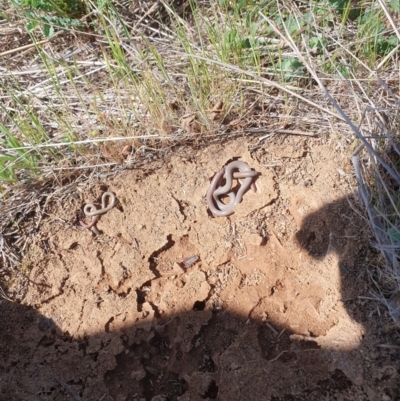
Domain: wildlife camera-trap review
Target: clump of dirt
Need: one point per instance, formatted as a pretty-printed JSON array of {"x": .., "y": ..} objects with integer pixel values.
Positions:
[{"x": 170, "y": 303}]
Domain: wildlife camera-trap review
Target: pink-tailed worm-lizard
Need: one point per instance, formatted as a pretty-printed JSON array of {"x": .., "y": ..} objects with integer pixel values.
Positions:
[
  {"x": 90, "y": 210},
  {"x": 218, "y": 208}
]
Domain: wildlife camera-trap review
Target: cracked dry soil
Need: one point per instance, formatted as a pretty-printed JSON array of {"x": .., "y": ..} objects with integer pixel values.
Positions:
[{"x": 170, "y": 303}]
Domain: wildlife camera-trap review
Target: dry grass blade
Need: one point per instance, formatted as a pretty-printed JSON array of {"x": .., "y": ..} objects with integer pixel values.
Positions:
[
  {"x": 88, "y": 142},
  {"x": 18, "y": 49},
  {"x": 389, "y": 17},
  {"x": 263, "y": 80}
]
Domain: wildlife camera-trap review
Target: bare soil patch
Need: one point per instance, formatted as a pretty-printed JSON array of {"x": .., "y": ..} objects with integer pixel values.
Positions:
[{"x": 170, "y": 303}]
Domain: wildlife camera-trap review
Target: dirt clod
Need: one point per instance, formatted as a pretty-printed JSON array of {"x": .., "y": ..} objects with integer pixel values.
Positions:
[{"x": 170, "y": 303}]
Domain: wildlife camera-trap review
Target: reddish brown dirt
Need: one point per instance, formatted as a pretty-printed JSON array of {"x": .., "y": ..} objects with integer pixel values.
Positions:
[{"x": 271, "y": 308}]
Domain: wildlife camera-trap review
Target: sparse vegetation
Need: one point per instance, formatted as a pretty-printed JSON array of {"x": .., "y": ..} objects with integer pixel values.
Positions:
[
  {"x": 50, "y": 15},
  {"x": 82, "y": 79}
]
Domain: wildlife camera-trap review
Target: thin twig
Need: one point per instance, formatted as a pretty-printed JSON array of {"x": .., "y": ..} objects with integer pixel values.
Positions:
[
  {"x": 389, "y": 346},
  {"x": 84, "y": 167},
  {"x": 86, "y": 141},
  {"x": 296, "y": 351},
  {"x": 294, "y": 132},
  {"x": 272, "y": 328},
  {"x": 11, "y": 51}
]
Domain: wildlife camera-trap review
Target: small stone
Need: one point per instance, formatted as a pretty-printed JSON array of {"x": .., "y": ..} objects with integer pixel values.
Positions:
[
  {"x": 46, "y": 323},
  {"x": 152, "y": 370},
  {"x": 253, "y": 239},
  {"x": 235, "y": 366},
  {"x": 138, "y": 374},
  {"x": 160, "y": 329}
]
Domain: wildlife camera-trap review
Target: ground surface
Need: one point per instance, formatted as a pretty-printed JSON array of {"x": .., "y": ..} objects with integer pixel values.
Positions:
[{"x": 270, "y": 308}]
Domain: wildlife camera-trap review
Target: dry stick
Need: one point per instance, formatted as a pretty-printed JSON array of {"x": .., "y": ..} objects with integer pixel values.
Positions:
[
  {"x": 94, "y": 140},
  {"x": 279, "y": 131},
  {"x": 296, "y": 351},
  {"x": 84, "y": 167},
  {"x": 272, "y": 328},
  {"x": 27, "y": 72},
  {"x": 385, "y": 59},
  {"x": 42, "y": 42},
  {"x": 388, "y": 346},
  {"x": 343, "y": 115},
  {"x": 294, "y": 132}
]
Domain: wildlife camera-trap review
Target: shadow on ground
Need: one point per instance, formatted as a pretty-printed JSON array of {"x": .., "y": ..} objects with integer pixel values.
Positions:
[{"x": 203, "y": 354}]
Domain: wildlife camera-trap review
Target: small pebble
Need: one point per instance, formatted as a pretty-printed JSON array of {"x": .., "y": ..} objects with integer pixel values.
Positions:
[{"x": 190, "y": 261}]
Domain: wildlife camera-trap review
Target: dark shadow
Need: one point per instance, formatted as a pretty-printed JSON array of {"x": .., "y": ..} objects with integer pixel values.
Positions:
[
  {"x": 210, "y": 353},
  {"x": 339, "y": 229}
]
